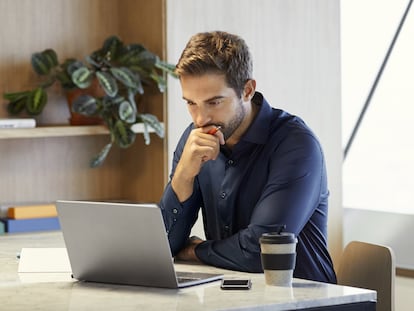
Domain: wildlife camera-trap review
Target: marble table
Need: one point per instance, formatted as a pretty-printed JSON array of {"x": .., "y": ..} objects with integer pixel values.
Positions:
[{"x": 57, "y": 291}]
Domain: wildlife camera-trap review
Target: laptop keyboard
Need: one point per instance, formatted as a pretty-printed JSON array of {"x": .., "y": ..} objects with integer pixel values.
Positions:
[{"x": 183, "y": 277}]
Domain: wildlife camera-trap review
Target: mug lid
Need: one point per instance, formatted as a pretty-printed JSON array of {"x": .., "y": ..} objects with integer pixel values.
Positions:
[{"x": 278, "y": 238}]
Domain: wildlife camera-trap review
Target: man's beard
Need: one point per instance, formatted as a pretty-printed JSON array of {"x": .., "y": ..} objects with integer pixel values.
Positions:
[{"x": 234, "y": 123}]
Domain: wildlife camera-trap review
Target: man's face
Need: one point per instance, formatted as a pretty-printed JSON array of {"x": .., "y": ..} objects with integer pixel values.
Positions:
[{"x": 212, "y": 102}]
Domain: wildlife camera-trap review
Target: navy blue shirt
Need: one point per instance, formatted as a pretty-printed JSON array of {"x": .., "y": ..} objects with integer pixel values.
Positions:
[{"x": 275, "y": 175}]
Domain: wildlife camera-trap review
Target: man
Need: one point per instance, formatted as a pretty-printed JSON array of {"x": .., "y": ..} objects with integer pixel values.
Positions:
[{"x": 248, "y": 166}]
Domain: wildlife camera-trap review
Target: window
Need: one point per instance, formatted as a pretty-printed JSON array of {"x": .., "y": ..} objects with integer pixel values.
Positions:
[{"x": 378, "y": 172}]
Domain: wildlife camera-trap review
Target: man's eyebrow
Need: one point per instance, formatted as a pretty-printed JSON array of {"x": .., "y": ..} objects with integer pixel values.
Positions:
[{"x": 206, "y": 100}]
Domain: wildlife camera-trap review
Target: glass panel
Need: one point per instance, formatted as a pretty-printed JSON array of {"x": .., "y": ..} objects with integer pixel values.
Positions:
[{"x": 379, "y": 170}]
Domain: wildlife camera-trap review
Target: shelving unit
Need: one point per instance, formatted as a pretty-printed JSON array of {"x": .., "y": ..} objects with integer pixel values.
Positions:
[{"x": 51, "y": 162}]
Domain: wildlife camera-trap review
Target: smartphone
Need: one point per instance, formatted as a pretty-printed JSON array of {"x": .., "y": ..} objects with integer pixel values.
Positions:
[{"x": 236, "y": 284}]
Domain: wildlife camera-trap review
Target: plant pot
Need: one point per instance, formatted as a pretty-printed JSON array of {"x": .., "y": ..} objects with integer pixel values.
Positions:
[{"x": 80, "y": 119}]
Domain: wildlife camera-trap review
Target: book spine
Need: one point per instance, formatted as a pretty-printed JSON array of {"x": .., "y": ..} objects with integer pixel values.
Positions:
[
  {"x": 30, "y": 225},
  {"x": 32, "y": 211},
  {"x": 2, "y": 227}
]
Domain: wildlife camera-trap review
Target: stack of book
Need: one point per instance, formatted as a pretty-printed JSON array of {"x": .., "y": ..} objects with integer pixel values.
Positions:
[{"x": 30, "y": 218}]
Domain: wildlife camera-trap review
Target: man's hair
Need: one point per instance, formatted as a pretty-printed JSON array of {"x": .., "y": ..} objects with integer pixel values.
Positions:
[{"x": 217, "y": 52}]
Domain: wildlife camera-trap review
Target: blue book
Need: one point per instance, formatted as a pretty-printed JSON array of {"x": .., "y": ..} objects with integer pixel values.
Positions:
[
  {"x": 2, "y": 227},
  {"x": 30, "y": 225}
]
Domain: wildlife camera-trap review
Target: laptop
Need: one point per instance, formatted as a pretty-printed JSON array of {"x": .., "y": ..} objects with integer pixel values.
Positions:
[{"x": 121, "y": 243}]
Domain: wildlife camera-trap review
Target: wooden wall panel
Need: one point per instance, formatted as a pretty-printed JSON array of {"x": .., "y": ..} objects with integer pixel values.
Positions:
[
  {"x": 143, "y": 21},
  {"x": 45, "y": 169}
]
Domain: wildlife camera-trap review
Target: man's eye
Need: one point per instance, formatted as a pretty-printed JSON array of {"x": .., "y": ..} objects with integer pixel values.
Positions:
[
  {"x": 190, "y": 103},
  {"x": 214, "y": 103}
]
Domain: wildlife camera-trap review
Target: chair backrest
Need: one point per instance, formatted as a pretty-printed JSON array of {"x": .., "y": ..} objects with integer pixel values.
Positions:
[{"x": 369, "y": 266}]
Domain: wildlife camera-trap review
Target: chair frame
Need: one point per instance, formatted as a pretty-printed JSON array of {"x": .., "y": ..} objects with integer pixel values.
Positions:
[{"x": 370, "y": 266}]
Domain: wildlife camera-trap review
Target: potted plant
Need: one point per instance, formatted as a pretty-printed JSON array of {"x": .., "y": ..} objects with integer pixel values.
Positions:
[{"x": 113, "y": 79}]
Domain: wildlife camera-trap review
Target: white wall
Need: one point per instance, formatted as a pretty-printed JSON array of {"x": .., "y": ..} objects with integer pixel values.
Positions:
[{"x": 295, "y": 47}]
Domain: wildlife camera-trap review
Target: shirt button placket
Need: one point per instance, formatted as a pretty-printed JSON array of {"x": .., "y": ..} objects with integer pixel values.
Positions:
[{"x": 175, "y": 212}]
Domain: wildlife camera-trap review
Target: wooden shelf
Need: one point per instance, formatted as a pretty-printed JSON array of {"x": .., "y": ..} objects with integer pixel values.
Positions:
[
  {"x": 62, "y": 131},
  {"x": 53, "y": 131}
]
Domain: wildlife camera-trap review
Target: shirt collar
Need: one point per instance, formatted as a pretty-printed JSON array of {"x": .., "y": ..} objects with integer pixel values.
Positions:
[{"x": 258, "y": 131}]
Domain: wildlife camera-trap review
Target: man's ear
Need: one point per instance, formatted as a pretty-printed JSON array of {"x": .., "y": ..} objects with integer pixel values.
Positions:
[{"x": 249, "y": 90}]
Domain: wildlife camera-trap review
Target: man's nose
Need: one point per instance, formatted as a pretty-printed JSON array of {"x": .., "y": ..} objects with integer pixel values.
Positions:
[{"x": 203, "y": 117}]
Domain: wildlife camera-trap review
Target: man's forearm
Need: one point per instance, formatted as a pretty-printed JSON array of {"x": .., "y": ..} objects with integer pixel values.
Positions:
[
  {"x": 182, "y": 186},
  {"x": 188, "y": 252}
]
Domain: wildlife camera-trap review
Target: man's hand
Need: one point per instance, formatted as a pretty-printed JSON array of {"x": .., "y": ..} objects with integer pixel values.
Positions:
[
  {"x": 199, "y": 148},
  {"x": 188, "y": 252}
]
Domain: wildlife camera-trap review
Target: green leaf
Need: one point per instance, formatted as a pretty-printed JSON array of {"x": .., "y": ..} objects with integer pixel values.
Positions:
[
  {"x": 71, "y": 65},
  {"x": 17, "y": 106},
  {"x": 136, "y": 47},
  {"x": 101, "y": 156},
  {"x": 166, "y": 67},
  {"x": 126, "y": 112},
  {"x": 36, "y": 101},
  {"x": 128, "y": 78},
  {"x": 123, "y": 134},
  {"x": 51, "y": 57},
  {"x": 65, "y": 80},
  {"x": 160, "y": 81},
  {"x": 111, "y": 47},
  {"x": 131, "y": 98},
  {"x": 108, "y": 83},
  {"x": 97, "y": 61},
  {"x": 170, "y": 68},
  {"x": 82, "y": 77},
  {"x": 85, "y": 104},
  {"x": 126, "y": 57},
  {"x": 40, "y": 64},
  {"x": 145, "y": 59},
  {"x": 147, "y": 138},
  {"x": 13, "y": 96},
  {"x": 151, "y": 120}
]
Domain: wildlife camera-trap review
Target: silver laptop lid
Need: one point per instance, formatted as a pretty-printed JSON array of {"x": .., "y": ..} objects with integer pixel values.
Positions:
[{"x": 117, "y": 243}]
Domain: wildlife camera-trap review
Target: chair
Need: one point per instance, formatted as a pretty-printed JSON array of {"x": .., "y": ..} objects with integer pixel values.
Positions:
[{"x": 369, "y": 266}]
